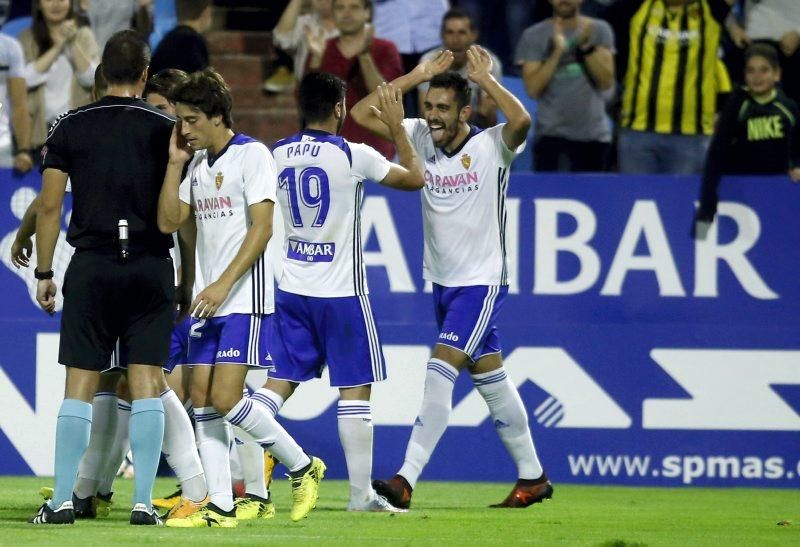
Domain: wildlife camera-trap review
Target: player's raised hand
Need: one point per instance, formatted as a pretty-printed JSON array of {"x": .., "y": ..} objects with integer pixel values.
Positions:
[
  {"x": 179, "y": 150},
  {"x": 46, "y": 295},
  {"x": 437, "y": 65},
  {"x": 21, "y": 252},
  {"x": 479, "y": 64},
  {"x": 209, "y": 300},
  {"x": 391, "y": 106}
]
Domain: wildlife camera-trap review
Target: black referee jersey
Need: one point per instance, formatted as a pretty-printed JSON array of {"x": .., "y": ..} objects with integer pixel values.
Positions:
[{"x": 115, "y": 152}]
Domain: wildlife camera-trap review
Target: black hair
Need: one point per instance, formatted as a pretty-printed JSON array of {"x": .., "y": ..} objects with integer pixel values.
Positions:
[
  {"x": 125, "y": 57},
  {"x": 456, "y": 13},
  {"x": 766, "y": 51},
  {"x": 455, "y": 81},
  {"x": 164, "y": 82},
  {"x": 206, "y": 91},
  {"x": 319, "y": 93}
]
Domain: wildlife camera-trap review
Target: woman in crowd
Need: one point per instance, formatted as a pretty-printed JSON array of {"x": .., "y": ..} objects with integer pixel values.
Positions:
[{"x": 60, "y": 61}]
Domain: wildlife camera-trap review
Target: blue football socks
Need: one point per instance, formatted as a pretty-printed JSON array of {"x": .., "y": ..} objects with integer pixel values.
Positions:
[
  {"x": 72, "y": 438},
  {"x": 146, "y": 435}
]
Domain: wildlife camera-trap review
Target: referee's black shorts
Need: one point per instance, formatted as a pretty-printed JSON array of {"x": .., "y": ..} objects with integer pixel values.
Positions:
[{"x": 106, "y": 300}]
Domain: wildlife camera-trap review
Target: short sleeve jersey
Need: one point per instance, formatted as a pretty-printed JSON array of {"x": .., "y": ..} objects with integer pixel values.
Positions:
[
  {"x": 464, "y": 206},
  {"x": 320, "y": 189},
  {"x": 115, "y": 152},
  {"x": 220, "y": 190}
]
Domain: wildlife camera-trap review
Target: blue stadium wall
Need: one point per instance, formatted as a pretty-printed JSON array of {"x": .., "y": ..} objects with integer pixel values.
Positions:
[{"x": 643, "y": 357}]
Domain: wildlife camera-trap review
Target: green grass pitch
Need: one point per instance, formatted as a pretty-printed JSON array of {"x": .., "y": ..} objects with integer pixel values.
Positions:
[{"x": 449, "y": 513}]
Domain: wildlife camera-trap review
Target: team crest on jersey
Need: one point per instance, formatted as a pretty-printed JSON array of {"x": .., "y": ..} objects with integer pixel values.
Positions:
[
  {"x": 466, "y": 161},
  {"x": 218, "y": 180}
]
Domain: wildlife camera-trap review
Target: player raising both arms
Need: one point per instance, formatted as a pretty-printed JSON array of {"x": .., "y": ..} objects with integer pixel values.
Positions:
[{"x": 465, "y": 259}]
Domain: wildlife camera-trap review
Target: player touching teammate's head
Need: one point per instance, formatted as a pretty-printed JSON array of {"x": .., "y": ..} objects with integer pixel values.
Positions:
[
  {"x": 158, "y": 91},
  {"x": 447, "y": 106},
  {"x": 322, "y": 97},
  {"x": 126, "y": 58}
]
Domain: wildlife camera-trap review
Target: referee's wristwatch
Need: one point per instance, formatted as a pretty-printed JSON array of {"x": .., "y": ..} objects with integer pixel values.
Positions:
[{"x": 42, "y": 275}]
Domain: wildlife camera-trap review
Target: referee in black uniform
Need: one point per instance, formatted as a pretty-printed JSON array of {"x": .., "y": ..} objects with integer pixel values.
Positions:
[{"x": 119, "y": 284}]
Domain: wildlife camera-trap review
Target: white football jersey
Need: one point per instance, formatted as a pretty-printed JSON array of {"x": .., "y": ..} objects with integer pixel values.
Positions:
[
  {"x": 464, "y": 206},
  {"x": 320, "y": 189},
  {"x": 220, "y": 190}
]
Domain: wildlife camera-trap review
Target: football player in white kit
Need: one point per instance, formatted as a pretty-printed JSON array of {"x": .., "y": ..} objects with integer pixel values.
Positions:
[
  {"x": 230, "y": 186},
  {"x": 322, "y": 310},
  {"x": 464, "y": 216}
]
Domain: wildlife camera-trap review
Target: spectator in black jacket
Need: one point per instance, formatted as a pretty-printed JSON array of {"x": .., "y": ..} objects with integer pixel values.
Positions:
[
  {"x": 758, "y": 132},
  {"x": 184, "y": 47}
]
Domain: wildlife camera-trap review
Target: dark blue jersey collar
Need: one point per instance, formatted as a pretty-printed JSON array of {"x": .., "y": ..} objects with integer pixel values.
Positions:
[{"x": 238, "y": 138}]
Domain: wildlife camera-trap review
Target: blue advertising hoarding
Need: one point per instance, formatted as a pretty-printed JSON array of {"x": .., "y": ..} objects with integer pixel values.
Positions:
[{"x": 642, "y": 355}]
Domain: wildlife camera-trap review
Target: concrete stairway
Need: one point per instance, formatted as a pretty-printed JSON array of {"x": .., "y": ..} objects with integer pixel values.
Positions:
[{"x": 243, "y": 57}]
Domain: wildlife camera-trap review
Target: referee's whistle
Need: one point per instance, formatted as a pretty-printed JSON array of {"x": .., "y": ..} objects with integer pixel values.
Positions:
[{"x": 122, "y": 226}]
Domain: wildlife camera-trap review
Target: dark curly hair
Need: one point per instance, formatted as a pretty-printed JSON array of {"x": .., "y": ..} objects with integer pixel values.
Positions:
[
  {"x": 206, "y": 91},
  {"x": 164, "y": 82},
  {"x": 455, "y": 81}
]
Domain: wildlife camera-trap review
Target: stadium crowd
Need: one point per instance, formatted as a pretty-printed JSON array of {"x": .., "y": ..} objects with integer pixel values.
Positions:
[
  {"x": 639, "y": 86},
  {"x": 633, "y": 86}
]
